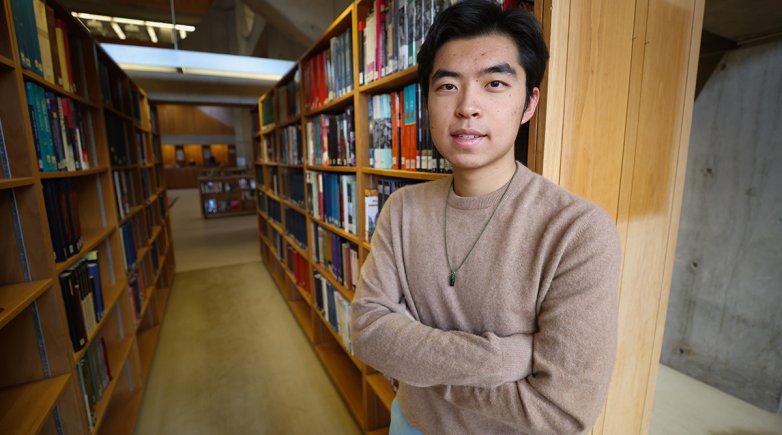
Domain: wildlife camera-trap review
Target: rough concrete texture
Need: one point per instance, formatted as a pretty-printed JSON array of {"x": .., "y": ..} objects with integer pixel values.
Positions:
[{"x": 724, "y": 324}]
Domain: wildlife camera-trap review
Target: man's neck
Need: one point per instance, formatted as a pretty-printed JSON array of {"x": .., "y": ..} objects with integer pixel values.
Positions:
[{"x": 476, "y": 182}]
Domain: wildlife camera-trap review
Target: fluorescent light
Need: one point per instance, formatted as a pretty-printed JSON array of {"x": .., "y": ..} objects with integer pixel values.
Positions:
[
  {"x": 180, "y": 27},
  {"x": 148, "y": 68},
  {"x": 234, "y": 74},
  {"x": 182, "y": 34},
  {"x": 197, "y": 64},
  {"x": 118, "y": 30},
  {"x": 91, "y": 16},
  {"x": 152, "y": 35},
  {"x": 127, "y": 21}
]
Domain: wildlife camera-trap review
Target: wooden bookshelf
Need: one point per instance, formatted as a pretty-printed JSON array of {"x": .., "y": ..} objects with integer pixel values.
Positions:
[
  {"x": 382, "y": 388},
  {"x": 358, "y": 384},
  {"x": 227, "y": 194},
  {"x": 25, "y": 407},
  {"x": 41, "y": 395},
  {"x": 16, "y": 297}
]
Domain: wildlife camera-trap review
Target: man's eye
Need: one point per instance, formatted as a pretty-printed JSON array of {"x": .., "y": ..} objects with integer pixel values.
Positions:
[
  {"x": 495, "y": 84},
  {"x": 448, "y": 87}
]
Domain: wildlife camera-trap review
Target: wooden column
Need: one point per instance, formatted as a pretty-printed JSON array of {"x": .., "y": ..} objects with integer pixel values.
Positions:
[{"x": 614, "y": 127}]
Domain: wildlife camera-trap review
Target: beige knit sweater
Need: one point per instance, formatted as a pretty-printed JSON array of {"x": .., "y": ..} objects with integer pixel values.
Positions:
[{"x": 525, "y": 341}]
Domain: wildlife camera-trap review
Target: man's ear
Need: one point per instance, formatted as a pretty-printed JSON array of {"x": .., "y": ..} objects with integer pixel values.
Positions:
[{"x": 532, "y": 104}]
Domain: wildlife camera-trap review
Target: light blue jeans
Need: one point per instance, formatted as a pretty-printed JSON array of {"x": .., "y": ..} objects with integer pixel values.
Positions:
[{"x": 399, "y": 424}]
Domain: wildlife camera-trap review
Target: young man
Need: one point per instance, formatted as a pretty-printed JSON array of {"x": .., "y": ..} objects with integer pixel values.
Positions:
[{"x": 489, "y": 295}]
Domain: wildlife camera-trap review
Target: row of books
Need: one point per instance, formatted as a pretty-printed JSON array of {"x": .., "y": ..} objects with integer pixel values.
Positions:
[
  {"x": 268, "y": 150},
  {"x": 113, "y": 87},
  {"x": 217, "y": 186},
  {"x": 83, "y": 298},
  {"x": 274, "y": 210},
  {"x": 262, "y": 201},
  {"x": 43, "y": 42},
  {"x": 147, "y": 189},
  {"x": 332, "y": 198},
  {"x": 57, "y": 130},
  {"x": 137, "y": 290},
  {"x": 215, "y": 206},
  {"x": 267, "y": 112},
  {"x": 259, "y": 176},
  {"x": 293, "y": 186},
  {"x": 120, "y": 153},
  {"x": 286, "y": 99},
  {"x": 296, "y": 226},
  {"x": 300, "y": 268},
  {"x": 374, "y": 199},
  {"x": 337, "y": 255},
  {"x": 394, "y": 30},
  {"x": 331, "y": 140},
  {"x": 62, "y": 210},
  {"x": 278, "y": 244},
  {"x": 399, "y": 136},
  {"x": 274, "y": 180},
  {"x": 125, "y": 191},
  {"x": 335, "y": 308},
  {"x": 291, "y": 144},
  {"x": 129, "y": 245},
  {"x": 392, "y": 34},
  {"x": 329, "y": 74},
  {"x": 94, "y": 377},
  {"x": 154, "y": 254}
]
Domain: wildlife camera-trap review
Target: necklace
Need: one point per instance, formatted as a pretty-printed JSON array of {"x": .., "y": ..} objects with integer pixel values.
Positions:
[{"x": 452, "y": 275}]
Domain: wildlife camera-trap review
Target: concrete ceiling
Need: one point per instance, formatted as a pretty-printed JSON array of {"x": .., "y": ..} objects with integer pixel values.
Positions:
[{"x": 279, "y": 29}]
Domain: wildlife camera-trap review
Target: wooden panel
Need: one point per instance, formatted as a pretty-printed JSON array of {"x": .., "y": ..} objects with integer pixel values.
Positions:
[
  {"x": 650, "y": 200},
  {"x": 184, "y": 119},
  {"x": 613, "y": 127},
  {"x": 598, "y": 72},
  {"x": 548, "y": 148}
]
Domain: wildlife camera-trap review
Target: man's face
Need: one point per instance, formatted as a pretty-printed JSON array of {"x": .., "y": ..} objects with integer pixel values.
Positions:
[{"x": 476, "y": 100}]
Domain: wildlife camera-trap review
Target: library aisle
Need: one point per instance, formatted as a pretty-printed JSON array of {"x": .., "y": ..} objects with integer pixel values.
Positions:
[{"x": 231, "y": 357}]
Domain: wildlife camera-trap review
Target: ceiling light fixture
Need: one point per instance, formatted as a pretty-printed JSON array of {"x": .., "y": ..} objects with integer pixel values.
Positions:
[
  {"x": 182, "y": 34},
  {"x": 198, "y": 64},
  {"x": 118, "y": 30},
  {"x": 85, "y": 16},
  {"x": 152, "y": 34}
]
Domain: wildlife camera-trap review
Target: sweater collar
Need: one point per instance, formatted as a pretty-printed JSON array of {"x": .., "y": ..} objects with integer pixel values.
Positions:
[{"x": 482, "y": 201}]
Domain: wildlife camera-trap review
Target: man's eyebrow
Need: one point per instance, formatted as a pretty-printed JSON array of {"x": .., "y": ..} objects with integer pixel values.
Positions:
[
  {"x": 440, "y": 73},
  {"x": 502, "y": 68}
]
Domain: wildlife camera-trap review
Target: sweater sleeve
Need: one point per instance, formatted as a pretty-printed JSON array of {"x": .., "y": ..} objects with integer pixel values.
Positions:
[
  {"x": 388, "y": 337},
  {"x": 574, "y": 347}
]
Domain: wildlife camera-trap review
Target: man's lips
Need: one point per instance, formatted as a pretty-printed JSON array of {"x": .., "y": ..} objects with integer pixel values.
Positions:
[{"x": 467, "y": 137}]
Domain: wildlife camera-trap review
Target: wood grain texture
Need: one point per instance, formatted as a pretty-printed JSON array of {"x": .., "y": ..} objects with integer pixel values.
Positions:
[{"x": 614, "y": 129}]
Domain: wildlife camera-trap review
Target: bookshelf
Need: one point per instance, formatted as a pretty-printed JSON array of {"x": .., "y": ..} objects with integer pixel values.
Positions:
[
  {"x": 227, "y": 193},
  {"x": 79, "y": 162},
  {"x": 340, "y": 148}
]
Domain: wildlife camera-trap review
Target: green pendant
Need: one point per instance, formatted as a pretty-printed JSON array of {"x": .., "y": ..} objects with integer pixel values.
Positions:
[{"x": 452, "y": 278}]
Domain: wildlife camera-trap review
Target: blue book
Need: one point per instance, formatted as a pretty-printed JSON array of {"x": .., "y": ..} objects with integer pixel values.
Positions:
[{"x": 93, "y": 270}]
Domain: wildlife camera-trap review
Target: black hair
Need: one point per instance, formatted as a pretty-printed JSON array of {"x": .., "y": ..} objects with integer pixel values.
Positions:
[{"x": 471, "y": 18}]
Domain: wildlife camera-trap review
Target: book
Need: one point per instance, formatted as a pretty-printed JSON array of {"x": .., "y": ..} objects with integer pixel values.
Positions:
[
  {"x": 371, "y": 210},
  {"x": 5, "y": 168}
]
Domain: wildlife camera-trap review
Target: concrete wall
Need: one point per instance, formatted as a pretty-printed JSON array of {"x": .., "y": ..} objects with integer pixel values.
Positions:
[{"x": 724, "y": 324}]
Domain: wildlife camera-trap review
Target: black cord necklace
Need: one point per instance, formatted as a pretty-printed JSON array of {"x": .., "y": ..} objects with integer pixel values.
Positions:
[{"x": 452, "y": 275}]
